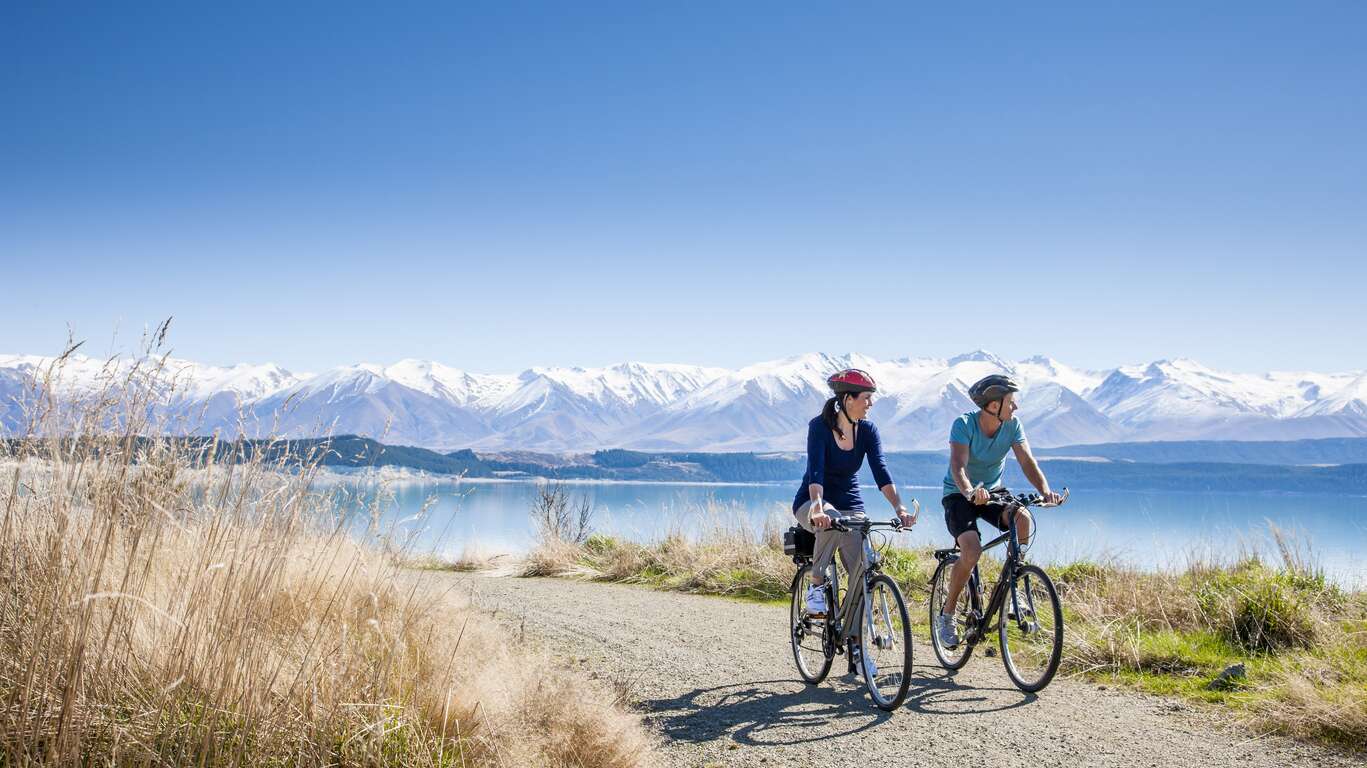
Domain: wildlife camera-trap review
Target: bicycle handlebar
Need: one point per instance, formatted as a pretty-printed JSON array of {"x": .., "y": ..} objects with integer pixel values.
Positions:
[
  {"x": 1037, "y": 501},
  {"x": 864, "y": 525}
]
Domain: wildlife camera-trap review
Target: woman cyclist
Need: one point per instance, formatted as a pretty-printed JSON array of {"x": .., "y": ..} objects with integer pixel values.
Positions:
[{"x": 837, "y": 442}]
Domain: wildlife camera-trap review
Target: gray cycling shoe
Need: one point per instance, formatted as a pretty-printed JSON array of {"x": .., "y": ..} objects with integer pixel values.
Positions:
[{"x": 946, "y": 632}]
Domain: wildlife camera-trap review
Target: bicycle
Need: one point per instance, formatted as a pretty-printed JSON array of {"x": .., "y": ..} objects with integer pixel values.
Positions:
[
  {"x": 1031, "y": 640},
  {"x": 885, "y": 638}
]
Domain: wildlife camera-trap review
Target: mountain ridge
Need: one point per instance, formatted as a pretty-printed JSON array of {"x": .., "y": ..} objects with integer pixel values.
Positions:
[{"x": 764, "y": 406}]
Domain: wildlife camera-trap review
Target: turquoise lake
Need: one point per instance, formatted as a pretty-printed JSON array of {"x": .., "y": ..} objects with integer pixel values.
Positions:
[{"x": 1147, "y": 529}]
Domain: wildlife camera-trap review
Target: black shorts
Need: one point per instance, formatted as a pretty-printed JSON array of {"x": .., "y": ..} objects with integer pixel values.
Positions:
[{"x": 962, "y": 515}]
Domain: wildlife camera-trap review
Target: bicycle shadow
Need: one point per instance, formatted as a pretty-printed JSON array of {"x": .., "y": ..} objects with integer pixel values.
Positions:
[
  {"x": 934, "y": 691},
  {"x": 785, "y": 711},
  {"x": 748, "y": 712}
]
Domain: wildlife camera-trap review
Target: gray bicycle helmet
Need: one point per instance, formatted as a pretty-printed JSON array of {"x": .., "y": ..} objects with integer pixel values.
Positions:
[{"x": 990, "y": 388}]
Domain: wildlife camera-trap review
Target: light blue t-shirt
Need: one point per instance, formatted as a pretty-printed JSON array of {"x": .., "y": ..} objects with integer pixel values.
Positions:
[{"x": 986, "y": 455}]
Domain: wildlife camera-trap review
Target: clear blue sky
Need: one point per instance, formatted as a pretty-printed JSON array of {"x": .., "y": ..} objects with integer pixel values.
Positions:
[{"x": 498, "y": 185}]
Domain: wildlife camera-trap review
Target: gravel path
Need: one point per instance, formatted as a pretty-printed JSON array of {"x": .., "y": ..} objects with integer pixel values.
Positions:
[{"x": 715, "y": 678}]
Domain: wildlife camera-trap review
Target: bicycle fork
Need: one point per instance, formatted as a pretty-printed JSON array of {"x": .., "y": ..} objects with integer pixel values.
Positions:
[{"x": 1024, "y": 619}]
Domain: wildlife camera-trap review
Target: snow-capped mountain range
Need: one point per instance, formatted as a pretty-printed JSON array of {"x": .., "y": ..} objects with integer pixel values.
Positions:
[{"x": 761, "y": 407}]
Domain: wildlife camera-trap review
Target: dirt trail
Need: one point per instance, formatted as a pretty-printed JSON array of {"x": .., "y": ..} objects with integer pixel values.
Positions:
[{"x": 716, "y": 679}]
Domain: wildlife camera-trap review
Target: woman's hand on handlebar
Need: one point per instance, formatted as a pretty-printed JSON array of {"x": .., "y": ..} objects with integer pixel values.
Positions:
[
  {"x": 819, "y": 519},
  {"x": 908, "y": 518}
]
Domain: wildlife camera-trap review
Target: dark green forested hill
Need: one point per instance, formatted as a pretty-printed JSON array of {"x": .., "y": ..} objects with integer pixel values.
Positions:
[
  {"x": 907, "y": 468},
  {"x": 1333, "y": 450},
  {"x": 1127, "y": 466}
]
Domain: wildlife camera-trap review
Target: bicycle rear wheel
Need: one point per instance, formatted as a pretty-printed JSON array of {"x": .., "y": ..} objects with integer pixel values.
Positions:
[
  {"x": 956, "y": 657},
  {"x": 886, "y": 644},
  {"x": 807, "y": 633},
  {"x": 1031, "y": 630}
]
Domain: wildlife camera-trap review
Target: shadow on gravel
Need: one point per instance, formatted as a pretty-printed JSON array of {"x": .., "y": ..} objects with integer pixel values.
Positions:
[
  {"x": 766, "y": 712},
  {"x": 786, "y": 712},
  {"x": 934, "y": 692}
]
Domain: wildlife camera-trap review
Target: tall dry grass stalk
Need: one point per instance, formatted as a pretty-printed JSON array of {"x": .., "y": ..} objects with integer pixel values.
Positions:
[{"x": 172, "y": 602}]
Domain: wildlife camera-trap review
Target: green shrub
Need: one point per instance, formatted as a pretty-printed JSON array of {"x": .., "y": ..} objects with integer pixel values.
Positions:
[
  {"x": 911, "y": 569},
  {"x": 600, "y": 544},
  {"x": 1080, "y": 573},
  {"x": 1270, "y": 616},
  {"x": 1257, "y": 609}
]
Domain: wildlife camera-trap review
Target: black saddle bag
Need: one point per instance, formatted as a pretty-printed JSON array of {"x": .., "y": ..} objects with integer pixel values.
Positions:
[{"x": 798, "y": 542}]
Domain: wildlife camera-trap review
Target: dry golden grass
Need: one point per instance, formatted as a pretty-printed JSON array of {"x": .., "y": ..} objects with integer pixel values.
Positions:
[
  {"x": 721, "y": 555},
  {"x": 468, "y": 561},
  {"x": 158, "y": 609}
]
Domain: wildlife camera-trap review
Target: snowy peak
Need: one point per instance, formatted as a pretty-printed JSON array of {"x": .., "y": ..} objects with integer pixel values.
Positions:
[
  {"x": 1041, "y": 369},
  {"x": 980, "y": 356},
  {"x": 183, "y": 378},
  {"x": 1351, "y": 401}
]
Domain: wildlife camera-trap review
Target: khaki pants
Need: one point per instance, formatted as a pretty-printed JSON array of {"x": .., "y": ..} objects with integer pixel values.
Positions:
[{"x": 851, "y": 557}]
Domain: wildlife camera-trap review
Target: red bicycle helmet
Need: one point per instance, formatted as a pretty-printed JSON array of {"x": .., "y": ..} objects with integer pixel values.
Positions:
[{"x": 851, "y": 380}]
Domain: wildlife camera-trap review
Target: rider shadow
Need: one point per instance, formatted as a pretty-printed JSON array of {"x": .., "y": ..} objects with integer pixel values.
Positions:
[
  {"x": 746, "y": 712},
  {"x": 933, "y": 691}
]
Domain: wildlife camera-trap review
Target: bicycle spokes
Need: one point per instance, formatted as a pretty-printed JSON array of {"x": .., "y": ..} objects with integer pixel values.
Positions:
[
  {"x": 886, "y": 643},
  {"x": 808, "y": 634},
  {"x": 1031, "y": 630}
]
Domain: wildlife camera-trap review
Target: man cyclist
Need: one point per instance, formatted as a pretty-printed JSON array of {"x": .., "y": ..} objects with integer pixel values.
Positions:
[{"x": 978, "y": 444}]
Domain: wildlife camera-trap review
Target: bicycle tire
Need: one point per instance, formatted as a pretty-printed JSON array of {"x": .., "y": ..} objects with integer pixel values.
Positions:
[
  {"x": 954, "y": 658},
  {"x": 817, "y": 664},
  {"x": 896, "y": 632},
  {"x": 1031, "y": 644}
]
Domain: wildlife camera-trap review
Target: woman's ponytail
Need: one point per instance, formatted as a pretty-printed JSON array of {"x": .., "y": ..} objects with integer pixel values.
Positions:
[{"x": 829, "y": 414}]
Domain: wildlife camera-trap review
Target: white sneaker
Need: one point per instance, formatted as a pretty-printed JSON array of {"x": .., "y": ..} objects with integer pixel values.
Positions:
[
  {"x": 867, "y": 660},
  {"x": 816, "y": 601},
  {"x": 944, "y": 629}
]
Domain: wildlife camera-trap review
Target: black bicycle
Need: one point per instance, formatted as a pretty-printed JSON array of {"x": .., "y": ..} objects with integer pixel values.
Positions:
[
  {"x": 885, "y": 634},
  {"x": 1024, "y": 608}
]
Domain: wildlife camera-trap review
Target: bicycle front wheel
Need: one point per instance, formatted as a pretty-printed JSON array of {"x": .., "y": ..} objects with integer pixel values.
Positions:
[
  {"x": 956, "y": 657},
  {"x": 807, "y": 633},
  {"x": 1031, "y": 630},
  {"x": 886, "y": 644}
]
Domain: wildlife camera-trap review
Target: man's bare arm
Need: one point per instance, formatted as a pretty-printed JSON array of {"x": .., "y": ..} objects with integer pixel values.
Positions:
[{"x": 1031, "y": 467}]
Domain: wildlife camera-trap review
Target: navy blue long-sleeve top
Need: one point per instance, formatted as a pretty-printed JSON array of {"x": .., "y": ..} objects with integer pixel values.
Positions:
[{"x": 834, "y": 468}]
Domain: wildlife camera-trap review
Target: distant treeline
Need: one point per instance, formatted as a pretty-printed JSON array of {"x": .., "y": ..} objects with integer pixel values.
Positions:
[
  {"x": 1203, "y": 466},
  {"x": 1333, "y": 450}
]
